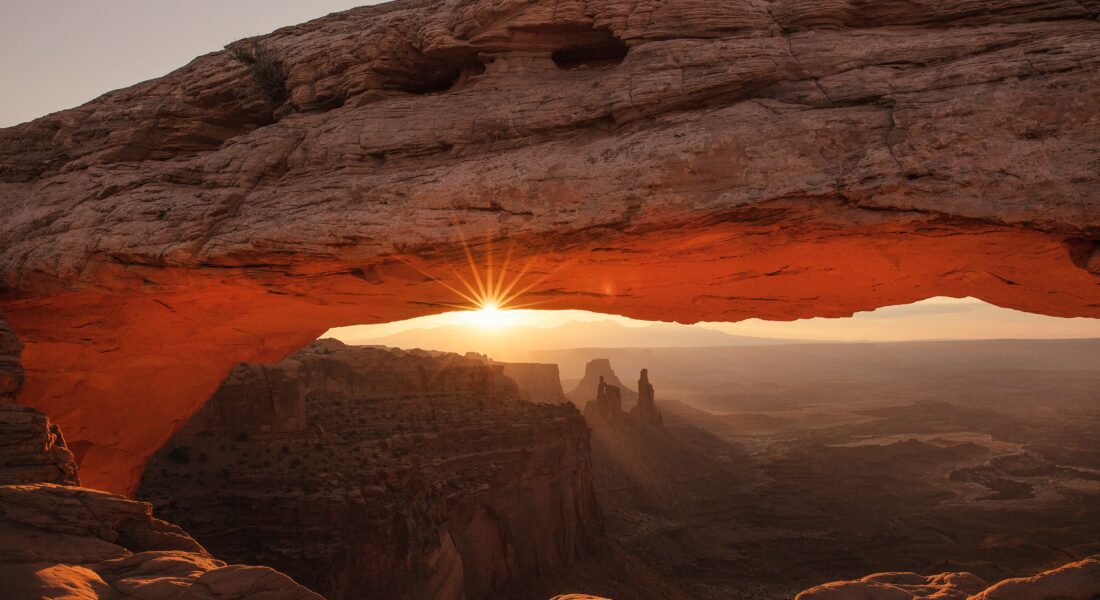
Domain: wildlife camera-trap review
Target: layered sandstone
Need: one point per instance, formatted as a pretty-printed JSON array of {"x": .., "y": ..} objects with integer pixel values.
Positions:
[
  {"x": 32, "y": 449},
  {"x": 381, "y": 473},
  {"x": 677, "y": 160},
  {"x": 70, "y": 542},
  {"x": 11, "y": 368},
  {"x": 1074, "y": 581},
  {"x": 62, "y": 541}
]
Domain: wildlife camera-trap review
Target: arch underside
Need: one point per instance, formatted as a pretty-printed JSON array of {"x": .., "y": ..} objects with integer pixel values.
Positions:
[{"x": 776, "y": 160}]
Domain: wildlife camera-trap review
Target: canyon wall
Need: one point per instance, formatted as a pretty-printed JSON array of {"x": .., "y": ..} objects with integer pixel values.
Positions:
[
  {"x": 540, "y": 382},
  {"x": 677, "y": 160},
  {"x": 11, "y": 367},
  {"x": 406, "y": 474}
]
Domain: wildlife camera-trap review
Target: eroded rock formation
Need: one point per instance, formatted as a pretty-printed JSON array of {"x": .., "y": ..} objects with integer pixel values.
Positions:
[
  {"x": 606, "y": 408},
  {"x": 645, "y": 411},
  {"x": 683, "y": 160},
  {"x": 69, "y": 542},
  {"x": 406, "y": 474},
  {"x": 1075, "y": 581},
  {"x": 32, "y": 449},
  {"x": 61, "y": 541},
  {"x": 596, "y": 372}
]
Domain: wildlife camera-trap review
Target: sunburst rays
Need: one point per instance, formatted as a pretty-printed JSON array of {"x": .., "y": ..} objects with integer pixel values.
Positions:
[{"x": 494, "y": 287}]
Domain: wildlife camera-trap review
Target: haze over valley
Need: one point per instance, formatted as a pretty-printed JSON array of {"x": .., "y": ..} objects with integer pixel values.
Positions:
[{"x": 533, "y": 300}]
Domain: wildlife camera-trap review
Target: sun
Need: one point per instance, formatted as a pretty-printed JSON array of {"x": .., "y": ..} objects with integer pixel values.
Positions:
[
  {"x": 490, "y": 298},
  {"x": 490, "y": 316}
]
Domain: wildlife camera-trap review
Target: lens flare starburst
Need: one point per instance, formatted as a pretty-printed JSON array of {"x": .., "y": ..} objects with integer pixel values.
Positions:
[{"x": 490, "y": 296}]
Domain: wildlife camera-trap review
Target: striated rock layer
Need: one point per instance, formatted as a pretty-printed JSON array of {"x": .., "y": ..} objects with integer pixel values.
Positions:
[
  {"x": 32, "y": 449},
  {"x": 376, "y": 473},
  {"x": 679, "y": 160},
  {"x": 11, "y": 367},
  {"x": 58, "y": 541},
  {"x": 70, "y": 542}
]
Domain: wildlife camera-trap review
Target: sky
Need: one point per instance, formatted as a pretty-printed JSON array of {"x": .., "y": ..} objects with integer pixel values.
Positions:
[
  {"x": 510, "y": 335},
  {"x": 57, "y": 54}
]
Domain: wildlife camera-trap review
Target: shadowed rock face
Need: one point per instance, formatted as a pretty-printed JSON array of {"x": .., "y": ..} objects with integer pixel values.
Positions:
[
  {"x": 382, "y": 473},
  {"x": 72, "y": 542},
  {"x": 61, "y": 541},
  {"x": 11, "y": 368},
  {"x": 646, "y": 409},
  {"x": 686, "y": 160},
  {"x": 540, "y": 382},
  {"x": 596, "y": 371},
  {"x": 32, "y": 450}
]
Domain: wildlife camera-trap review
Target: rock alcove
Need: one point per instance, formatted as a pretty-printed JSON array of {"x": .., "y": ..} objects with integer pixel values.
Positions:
[{"x": 672, "y": 161}]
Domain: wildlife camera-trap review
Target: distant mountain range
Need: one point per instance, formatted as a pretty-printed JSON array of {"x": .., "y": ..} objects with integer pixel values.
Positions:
[{"x": 516, "y": 342}]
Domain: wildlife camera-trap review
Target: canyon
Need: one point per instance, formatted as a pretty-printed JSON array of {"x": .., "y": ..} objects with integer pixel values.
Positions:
[
  {"x": 369, "y": 472},
  {"x": 684, "y": 160},
  {"x": 929, "y": 458},
  {"x": 362, "y": 471},
  {"x": 676, "y": 160}
]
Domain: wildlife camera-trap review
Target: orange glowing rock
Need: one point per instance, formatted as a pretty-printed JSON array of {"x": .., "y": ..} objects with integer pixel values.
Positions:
[{"x": 711, "y": 161}]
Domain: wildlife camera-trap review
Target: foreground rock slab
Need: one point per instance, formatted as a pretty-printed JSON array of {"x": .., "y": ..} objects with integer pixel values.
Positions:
[
  {"x": 69, "y": 542},
  {"x": 1075, "y": 581},
  {"x": 62, "y": 541}
]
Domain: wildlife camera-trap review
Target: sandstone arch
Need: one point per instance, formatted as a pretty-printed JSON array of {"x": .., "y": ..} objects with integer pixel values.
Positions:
[{"x": 773, "y": 159}]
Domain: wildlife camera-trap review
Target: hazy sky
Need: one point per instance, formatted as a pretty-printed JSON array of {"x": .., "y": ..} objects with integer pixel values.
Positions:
[
  {"x": 57, "y": 54},
  {"x": 932, "y": 319}
]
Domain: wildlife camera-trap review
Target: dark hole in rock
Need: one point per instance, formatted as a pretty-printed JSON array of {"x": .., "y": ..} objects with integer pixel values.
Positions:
[
  {"x": 602, "y": 54},
  {"x": 441, "y": 78}
]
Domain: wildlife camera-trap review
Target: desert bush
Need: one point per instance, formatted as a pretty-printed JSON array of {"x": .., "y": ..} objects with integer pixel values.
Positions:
[{"x": 266, "y": 69}]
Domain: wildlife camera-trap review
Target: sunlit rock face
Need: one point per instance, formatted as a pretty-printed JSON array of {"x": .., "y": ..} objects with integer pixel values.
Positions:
[
  {"x": 1074, "y": 581},
  {"x": 395, "y": 474},
  {"x": 680, "y": 160}
]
